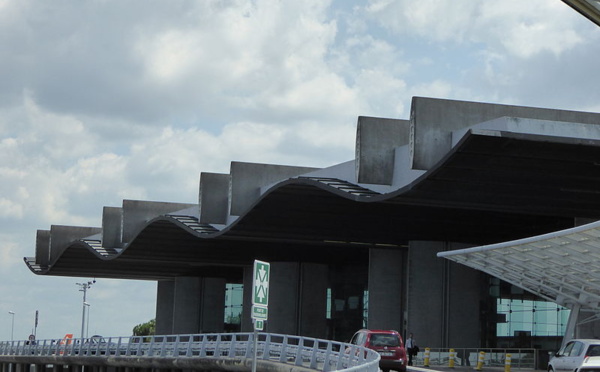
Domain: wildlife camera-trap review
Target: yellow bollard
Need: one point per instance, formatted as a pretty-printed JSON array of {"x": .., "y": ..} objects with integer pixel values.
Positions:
[
  {"x": 480, "y": 361},
  {"x": 426, "y": 357},
  {"x": 507, "y": 361},
  {"x": 451, "y": 358}
]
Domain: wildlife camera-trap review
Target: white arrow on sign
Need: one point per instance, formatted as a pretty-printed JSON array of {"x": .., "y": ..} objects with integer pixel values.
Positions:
[{"x": 261, "y": 283}]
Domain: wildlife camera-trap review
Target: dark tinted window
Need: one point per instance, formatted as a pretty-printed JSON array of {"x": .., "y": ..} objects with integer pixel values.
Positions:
[
  {"x": 593, "y": 350},
  {"x": 380, "y": 339}
]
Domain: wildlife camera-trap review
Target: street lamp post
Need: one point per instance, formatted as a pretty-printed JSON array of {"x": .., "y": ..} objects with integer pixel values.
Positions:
[
  {"x": 83, "y": 287},
  {"x": 87, "y": 326},
  {"x": 12, "y": 328}
]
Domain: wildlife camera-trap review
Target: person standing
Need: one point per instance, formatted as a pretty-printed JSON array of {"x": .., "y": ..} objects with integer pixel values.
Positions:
[{"x": 411, "y": 346}]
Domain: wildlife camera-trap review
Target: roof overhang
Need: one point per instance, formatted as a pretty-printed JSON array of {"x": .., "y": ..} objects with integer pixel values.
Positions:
[
  {"x": 589, "y": 8},
  {"x": 563, "y": 266}
]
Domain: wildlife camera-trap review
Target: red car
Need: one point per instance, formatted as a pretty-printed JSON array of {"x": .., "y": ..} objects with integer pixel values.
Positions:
[{"x": 388, "y": 344}]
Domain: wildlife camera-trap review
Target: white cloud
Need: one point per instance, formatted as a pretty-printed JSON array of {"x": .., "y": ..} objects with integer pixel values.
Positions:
[
  {"x": 10, "y": 209},
  {"x": 521, "y": 28}
]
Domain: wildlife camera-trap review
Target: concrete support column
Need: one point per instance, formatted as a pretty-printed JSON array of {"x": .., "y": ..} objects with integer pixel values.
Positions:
[
  {"x": 442, "y": 298},
  {"x": 283, "y": 298},
  {"x": 246, "y": 325},
  {"x": 313, "y": 300},
  {"x": 465, "y": 296},
  {"x": 297, "y": 299},
  {"x": 165, "y": 297},
  {"x": 186, "y": 305},
  {"x": 212, "y": 305},
  {"x": 426, "y": 293},
  {"x": 386, "y": 295},
  {"x": 198, "y": 305}
]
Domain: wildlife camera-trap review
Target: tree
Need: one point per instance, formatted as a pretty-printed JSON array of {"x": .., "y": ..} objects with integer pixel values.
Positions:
[{"x": 145, "y": 329}]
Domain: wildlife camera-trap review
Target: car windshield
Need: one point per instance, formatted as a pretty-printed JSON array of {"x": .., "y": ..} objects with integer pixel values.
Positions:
[{"x": 379, "y": 339}]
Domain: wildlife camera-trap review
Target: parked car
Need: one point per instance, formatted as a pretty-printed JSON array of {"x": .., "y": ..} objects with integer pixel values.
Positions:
[
  {"x": 590, "y": 364},
  {"x": 97, "y": 345},
  {"x": 571, "y": 356},
  {"x": 388, "y": 344},
  {"x": 96, "y": 339}
]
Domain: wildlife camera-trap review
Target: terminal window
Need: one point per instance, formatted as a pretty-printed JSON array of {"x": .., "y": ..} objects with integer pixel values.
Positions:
[{"x": 538, "y": 318}]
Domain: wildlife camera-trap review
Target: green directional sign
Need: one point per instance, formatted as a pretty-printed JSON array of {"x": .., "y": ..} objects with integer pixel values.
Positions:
[
  {"x": 259, "y": 325},
  {"x": 259, "y": 312},
  {"x": 260, "y": 288}
]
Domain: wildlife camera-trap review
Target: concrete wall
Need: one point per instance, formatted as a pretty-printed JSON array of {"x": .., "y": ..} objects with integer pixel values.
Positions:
[
  {"x": 248, "y": 178},
  {"x": 213, "y": 197},
  {"x": 137, "y": 213},
  {"x": 386, "y": 288},
  {"x": 42, "y": 247},
  {"x": 63, "y": 236},
  {"x": 432, "y": 121},
  {"x": 112, "y": 227},
  {"x": 376, "y": 139}
]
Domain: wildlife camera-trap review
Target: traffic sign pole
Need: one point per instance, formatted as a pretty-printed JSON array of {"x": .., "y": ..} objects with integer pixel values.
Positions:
[{"x": 260, "y": 300}]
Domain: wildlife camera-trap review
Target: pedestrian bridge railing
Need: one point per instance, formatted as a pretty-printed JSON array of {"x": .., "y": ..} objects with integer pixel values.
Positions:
[{"x": 199, "y": 352}]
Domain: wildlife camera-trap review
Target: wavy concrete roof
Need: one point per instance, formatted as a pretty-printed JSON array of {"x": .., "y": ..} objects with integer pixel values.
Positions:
[{"x": 457, "y": 171}]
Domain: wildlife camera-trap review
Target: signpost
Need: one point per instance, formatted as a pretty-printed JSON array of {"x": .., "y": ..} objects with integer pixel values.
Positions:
[{"x": 260, "y": 300}]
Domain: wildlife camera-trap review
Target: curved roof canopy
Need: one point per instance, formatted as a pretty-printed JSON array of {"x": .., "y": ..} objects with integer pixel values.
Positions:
[{"x": 457, "y": 171}]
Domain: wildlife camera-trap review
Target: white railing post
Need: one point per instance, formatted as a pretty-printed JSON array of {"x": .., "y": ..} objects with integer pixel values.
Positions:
[{"x": 284, "y": 347}]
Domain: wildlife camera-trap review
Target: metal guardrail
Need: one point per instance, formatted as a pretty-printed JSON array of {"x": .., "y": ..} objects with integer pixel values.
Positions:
[
  {"x": 317, "y": 354},
  {"x": 494, "y": 357}
]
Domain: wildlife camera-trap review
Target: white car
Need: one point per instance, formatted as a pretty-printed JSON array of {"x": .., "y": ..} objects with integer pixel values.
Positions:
[
  {"x": 590, "y": 364},
  {"x": 571, "y": 356}
]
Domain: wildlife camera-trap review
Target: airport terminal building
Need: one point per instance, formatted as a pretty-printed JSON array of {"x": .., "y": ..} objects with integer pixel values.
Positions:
[{"x": 387, "y": 240}]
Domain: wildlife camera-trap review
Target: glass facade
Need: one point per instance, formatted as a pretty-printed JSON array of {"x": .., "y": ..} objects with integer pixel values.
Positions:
[
  {"x": 233, "y": 306},
  {"x": 530, "y": 318}
]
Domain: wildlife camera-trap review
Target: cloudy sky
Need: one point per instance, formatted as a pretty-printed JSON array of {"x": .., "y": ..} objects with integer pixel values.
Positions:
[{"x": 105, "y": 100}]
